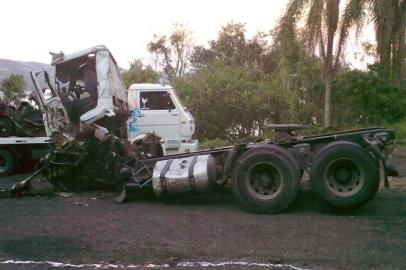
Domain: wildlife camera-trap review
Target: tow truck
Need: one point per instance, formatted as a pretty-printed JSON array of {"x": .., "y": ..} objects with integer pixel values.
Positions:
[
  {"x": 21, "y": 152},
  {"x": 89, "y": 146},
  {"x": 22, "y": 136}
]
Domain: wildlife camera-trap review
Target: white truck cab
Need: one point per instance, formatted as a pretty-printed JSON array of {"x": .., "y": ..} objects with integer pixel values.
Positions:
[{"x": 156, "y": 108}]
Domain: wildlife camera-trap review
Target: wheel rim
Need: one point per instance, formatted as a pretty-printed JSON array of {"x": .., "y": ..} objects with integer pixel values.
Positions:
[
  {"x": 344, "y": 177},
  {"x": 264, "y": 181},
  {"x": 3, "y": 164}
]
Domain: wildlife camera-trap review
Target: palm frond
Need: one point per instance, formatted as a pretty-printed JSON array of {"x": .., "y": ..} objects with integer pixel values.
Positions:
[
  {"x": 382, "y": 15},
  {"x": 314, "y": 23},
  {"x": 294, "y": 9},
  {"x": 353, "y": 14}
]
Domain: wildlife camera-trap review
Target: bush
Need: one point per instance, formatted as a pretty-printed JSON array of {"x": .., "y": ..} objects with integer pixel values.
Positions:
[
  {"x": 217, "y": 142},
  {"x": 362, "y": 98},
  {"x": 400, "y": 131}
]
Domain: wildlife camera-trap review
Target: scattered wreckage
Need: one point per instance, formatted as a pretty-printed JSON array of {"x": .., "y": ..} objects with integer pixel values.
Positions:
[
  {"x": 23, "y": 140},
  {"x": 86, "y": 115},
  {"x": 22, "y": 120}
]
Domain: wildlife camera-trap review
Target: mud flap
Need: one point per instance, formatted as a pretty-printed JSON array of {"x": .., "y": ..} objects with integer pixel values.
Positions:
[
  {"x": 388, "y": 171},
  {"x": 383, "y": 173},
  {"x": 373, "y": 146}
]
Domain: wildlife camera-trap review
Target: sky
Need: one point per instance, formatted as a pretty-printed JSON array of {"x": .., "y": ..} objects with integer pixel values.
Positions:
[{"x": 31, "y": 29}]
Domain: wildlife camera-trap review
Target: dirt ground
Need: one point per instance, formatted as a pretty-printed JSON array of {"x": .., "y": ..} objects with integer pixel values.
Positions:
[{"x": 90, "y": 228}]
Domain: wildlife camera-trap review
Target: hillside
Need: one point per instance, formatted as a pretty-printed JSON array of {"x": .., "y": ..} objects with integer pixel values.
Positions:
[{"x": 8, "y": 67}]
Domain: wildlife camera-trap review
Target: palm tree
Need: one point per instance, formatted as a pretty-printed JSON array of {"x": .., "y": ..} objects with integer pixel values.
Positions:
[
  {"x": 326, "y": 30},
  {"x": 388, "y": 16},
  {"x": 322, "y": 21}
]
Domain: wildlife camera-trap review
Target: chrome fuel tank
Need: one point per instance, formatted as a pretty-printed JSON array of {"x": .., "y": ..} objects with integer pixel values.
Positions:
[{"x": 194, "y": 174}]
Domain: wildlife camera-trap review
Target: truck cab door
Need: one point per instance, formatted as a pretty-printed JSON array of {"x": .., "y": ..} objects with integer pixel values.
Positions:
[
  {"x": 158, "y": 113},
  {"x": 54, "y": 112}
]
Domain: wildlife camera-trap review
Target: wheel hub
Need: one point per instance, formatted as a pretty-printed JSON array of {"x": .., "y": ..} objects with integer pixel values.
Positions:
[
  {"x": 264, "y": 181},
  {"x": 344, "y": 177}
]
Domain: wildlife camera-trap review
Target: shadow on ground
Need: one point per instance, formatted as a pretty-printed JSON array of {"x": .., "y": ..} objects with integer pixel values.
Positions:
[{"x": 34, "y": 247}]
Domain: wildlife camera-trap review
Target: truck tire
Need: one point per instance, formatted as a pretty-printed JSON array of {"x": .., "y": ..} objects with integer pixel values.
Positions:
[
  {"x": 265, "y": 179},
  {"x": 7, "y": 162},
  {"x": 6, "y": 127},
  {"x": 344, "y": 175}
]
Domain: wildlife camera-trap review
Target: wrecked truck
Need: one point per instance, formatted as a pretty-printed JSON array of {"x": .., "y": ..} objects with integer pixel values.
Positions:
[{"x": 86, "y": 110}]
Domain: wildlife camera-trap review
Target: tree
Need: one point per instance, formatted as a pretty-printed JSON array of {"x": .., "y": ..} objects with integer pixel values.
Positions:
[
  {"x": 389, "y": 19},
  {"x": 13, "y": 87},
  {"x": 233, "y": 49},
  {"x": 298, "y": 73},
  {"x": 325, "y": 32},
  {"x": 398, "y": 69},
  {"x": 365, "y": 99},
  {"x": 173, "y": 53},
  {"x": 139, "y": 73},
  {"x": 251, "y": 82},
  {"x": 217, "y": 88}
]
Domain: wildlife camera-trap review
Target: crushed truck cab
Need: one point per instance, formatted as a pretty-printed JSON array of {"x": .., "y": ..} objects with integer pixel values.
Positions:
[
  {"x": 87, "y": 89},
  {"x": 156, "y": 108}
]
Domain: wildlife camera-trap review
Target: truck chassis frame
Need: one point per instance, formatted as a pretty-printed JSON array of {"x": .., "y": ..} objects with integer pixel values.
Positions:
[{"x": 302, "y": 154}]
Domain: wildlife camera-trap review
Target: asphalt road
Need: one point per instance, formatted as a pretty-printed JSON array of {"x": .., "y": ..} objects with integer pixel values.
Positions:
[{"x": 89, "y": 228}]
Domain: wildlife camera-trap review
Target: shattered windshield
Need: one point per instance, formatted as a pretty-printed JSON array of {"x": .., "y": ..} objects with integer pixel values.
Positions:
[
  {"x": 76, "y": 81},
  {"x": 78, "y": 76}
]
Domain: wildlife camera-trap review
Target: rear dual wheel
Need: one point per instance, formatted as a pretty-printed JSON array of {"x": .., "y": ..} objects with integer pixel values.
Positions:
[
  {"x": 266, "y": 179},
  {"x": 345, "y": 175},
  {"x": 6, "y": 127},
  {"x": 7, "y": 162}
]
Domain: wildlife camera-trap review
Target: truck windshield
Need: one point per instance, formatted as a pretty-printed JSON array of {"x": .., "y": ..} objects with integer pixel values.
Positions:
[
  {"x": 77, "y": 77},
  {"x": 156, "y": 100}
]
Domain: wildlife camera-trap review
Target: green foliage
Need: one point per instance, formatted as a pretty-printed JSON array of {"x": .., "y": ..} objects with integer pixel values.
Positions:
[
  {"x": 233, "y": 49},
  {"x": 237, "y": 86},
  {"x": 364, "y": 98},
  {"x": 221, "y": 99},
  {"x": 13, "y": 87},
  {"x": 172, "y": 53},
  {"x": 400, "y": 130},
  {"x": 138, "y": 73},
  {"x": 241, "y": 85},
  {"x": 228, "y": 103},
  {"x": 217, "y": 142},
  {"x": 325, "y": 28}
]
